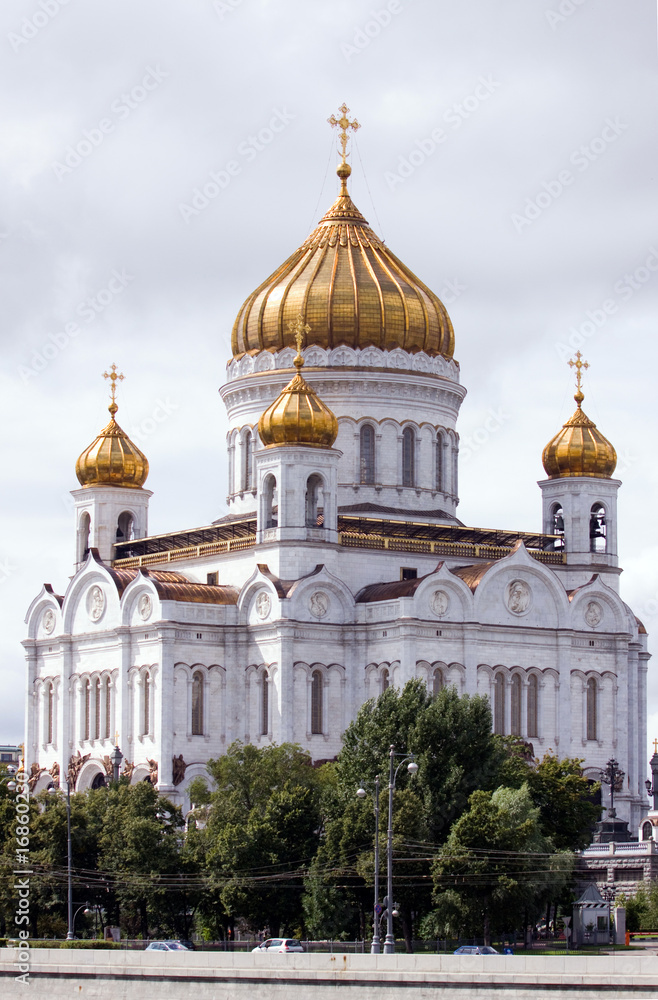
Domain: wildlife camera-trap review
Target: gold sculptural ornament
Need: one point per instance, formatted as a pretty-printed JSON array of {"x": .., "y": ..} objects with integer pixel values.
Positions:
[
  {"x": 579, "y": 448},
  {"x": 112, "y": 459}
]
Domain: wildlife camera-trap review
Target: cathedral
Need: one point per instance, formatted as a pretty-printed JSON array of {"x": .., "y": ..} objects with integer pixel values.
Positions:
[{"x": 341, "y": 567}]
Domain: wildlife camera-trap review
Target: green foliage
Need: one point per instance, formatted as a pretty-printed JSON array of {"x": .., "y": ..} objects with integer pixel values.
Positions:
[
  {"x": 495, "y": 865},
  {"x": 642, "y": 908},
  {"x": 566, "y": 801}
]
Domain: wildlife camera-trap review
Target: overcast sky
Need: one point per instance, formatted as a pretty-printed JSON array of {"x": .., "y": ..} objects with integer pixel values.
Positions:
[{"x": 507, "y": 155}]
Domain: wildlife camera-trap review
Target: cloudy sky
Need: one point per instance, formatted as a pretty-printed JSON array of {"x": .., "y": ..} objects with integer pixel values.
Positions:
[{"x": 507, "y": 154}]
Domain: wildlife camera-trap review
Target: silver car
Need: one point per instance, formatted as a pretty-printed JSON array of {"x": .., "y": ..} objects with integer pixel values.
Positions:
[{"x": 279, "y": 944}]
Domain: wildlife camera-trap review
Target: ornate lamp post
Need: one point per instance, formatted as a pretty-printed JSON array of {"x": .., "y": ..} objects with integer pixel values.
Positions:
[
  {"x": 412, "y": 767},
  {"x": 612, "y": 775},
  {"x": 652, "y": 786},
  {"x": 115, "y": 759},
  {"x": 375, "y": 946},
  {"x": 608, "y": 893}
]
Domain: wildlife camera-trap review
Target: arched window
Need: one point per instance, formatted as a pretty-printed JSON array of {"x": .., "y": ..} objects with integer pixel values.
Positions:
[
  {"x": 592, "y": 713},
  {"x": 647, "y": 831},
  {"x": 98, "y": 781},
  {"x": 108, "y": 708},
  {"x": 313, "y": 485},
  {"x": 264, "y": 705},
  {"x": 97, "y": 709},
  {"x": 367, "y": 454},
  {"x": 440, "y": 464},
  {"x": 247, "y": 461},
  {"x": 147, "y": 705},
  {"x": 385, "y": 679},
  {"x": 270, "y": 502},
  {"x": 84, "y": 528},
  {"x": 86, "y": 693},
  {"x": 50, "y": 709},
  {"x": 316, "y": 701},
  {"x": 455, "y": 467},
  {"x": 499, "y": 705},
  {"x": 197, "y": 704},
  {"x": 125, "y": 527},
  {"x": 533, "y": 690},
  {"x": 515, "y": 720},
  {"x": 437, "y": 681},
  {"x": 597, "y": 528},
  {"x": 408, "y": 457}
]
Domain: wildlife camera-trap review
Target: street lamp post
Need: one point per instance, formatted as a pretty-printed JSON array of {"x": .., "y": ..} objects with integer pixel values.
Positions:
[
  {"x": 115, "y": 759},
  {"x": 612, "y": 775},
  {"x": 608, "y": 894},
  {"x": 412, "y": 767},
  {"x": 375, "y": 946}
]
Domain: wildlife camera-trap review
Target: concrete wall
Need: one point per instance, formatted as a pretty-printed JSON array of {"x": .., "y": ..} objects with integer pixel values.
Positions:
[{"x": 116, "y": 975}]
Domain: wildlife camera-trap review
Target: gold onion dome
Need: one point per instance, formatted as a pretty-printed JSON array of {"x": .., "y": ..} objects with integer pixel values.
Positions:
[
  {"x": 579, "y": 449},
  {"x": 349, "y": 286},
  {"x": 298, "y": 415},
  {"x": 112, "y": 459}
]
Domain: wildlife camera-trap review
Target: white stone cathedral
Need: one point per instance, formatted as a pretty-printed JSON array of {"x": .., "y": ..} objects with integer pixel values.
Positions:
[{"x": 341, "y": 567}]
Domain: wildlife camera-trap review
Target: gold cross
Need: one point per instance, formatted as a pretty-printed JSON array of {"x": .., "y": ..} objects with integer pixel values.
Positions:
[
  {"x": 655, "y": 746},
  {"x": 112, "y": 375},
  {"x": 299, "y": 328},
  {"x": 344, "y": 124},
  {"x": 578, "y": 365},
  {"x": 116, "y": 738}
]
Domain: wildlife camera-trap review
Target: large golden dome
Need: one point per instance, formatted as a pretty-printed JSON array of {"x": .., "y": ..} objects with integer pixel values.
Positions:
[
  {"x": 298, "y": 415},
  {"x": 579, "y": 449},
  {"x": 112, "y": 459},
  {"x": 351, "y": 289}
]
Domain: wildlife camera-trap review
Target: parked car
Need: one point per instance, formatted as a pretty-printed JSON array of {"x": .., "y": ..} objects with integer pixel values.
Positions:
[
  {"x": 166, "y": 946},
  {"x": 279, "y": 944},
  {"x": 476, "y": 949}
]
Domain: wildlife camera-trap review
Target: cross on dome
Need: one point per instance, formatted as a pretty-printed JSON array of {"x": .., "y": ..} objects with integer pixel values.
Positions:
[
  {"x": 344, "y": 124},
  {"x": 578, "y": 364},
  {"x": 299, "y": 328},
  {"x": 112, "y": 375}
]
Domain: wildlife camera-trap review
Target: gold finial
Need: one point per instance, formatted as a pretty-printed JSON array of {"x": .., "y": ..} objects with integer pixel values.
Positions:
[
  {"x": 655, "y": 746},
  {"x": 112, "y": 375},
  {"x": 578, "y": 364},
  {"x": 116, "y": 738},
  {"x": 299, "y": 328},
  {"x": 344, "y": 169}
]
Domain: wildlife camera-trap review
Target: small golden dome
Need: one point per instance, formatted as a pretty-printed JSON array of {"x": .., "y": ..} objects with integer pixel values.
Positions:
[
  {"x": 579, "y": 449},
  {"x": 298, "y": 415},
  {"x": 352, "y": 290},
  {"x": 112, "y": 459}
]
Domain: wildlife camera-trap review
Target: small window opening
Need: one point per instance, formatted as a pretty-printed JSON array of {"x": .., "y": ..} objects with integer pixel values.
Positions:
[
  {"x": 597, "y": 529},
  {"x": 212, "y": 578},
  {"x": 408, "y": 573}
]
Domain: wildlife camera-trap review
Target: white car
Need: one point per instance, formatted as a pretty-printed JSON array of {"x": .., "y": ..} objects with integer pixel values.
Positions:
[
  {"x": 166, "y": 946},
  {"x": 279, "y": 944}
]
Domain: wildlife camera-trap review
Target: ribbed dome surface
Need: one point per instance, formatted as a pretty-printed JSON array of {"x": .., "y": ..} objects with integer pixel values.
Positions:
[
  {"x": 112, "y": 459},
  {"x": 351, "y": 289},
  {"x": 579, "y": 449},
  {"x": 298, "y": 416}
]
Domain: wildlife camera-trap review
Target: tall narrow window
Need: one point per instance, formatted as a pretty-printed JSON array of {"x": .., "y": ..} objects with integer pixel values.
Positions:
[
  {"x": 313, "y": 486},
  {"x": 247, "y": 462},
  {"x": 557, "y": 525},
  {"x": 50, "y": 708},
  {"x": 86, "y": 692},
  {"x": 147, "y": 704},
  {"x": 270, "y": 514},
  {"x": 437, "y": 681},
  {"x": 440, "y": 472},
  {"x": 533, "y": 690},
  {"x": 264, "y": 705},
  {"x": 367, "y": 453},
  {"x": 97, "y": 709},
  {"x": 597, "y": 528},
  {"x": 125, "y": 527},
  {"x": 316, "y": 702},
  {"x": 499, "y": 705},
  {"x": 197, "y": 704},
  {"x": 591, "y": 709},
  {"x": 408, "y": 457},
  {"x": 84, "y": 528},
  {"x": 385, "y": 680},
  {"x": 108, "y": 708},
  {"x": 515, "y": 720}
]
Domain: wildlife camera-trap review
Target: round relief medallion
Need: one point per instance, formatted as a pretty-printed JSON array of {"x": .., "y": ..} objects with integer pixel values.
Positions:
[
  {"x": 518, "y": 597},
  {"x": 439, "y": 602},
  {"x": 593, "y": 614},
  {"x": 144, "y": 607},
  {"x": 48, "y": 621},
  {"x": 318, "y": 604},
  {"x": 263, "y": 604},
  {"x": 95, "y": 603}
]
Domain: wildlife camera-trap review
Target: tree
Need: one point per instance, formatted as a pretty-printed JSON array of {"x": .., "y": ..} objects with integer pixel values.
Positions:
[
  {"x": 495, "y": 866},
  {"x": 566, "y": 801},
  {"x": 262, "y": 831}
]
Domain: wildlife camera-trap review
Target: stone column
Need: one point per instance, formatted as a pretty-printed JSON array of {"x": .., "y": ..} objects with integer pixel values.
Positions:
[{"x": 164, "y": 712}]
